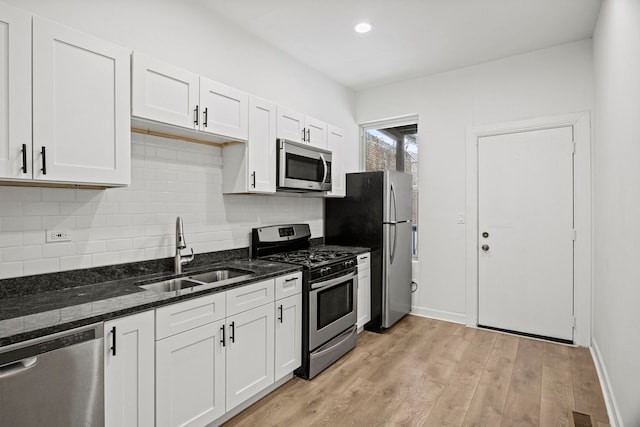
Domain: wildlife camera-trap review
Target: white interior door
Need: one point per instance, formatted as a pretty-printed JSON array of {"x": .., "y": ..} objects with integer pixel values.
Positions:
[{"x": 525, "y": 226}]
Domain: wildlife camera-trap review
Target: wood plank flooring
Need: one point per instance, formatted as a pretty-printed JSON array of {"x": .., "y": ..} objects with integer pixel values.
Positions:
[{"x": 425, "y": 372}]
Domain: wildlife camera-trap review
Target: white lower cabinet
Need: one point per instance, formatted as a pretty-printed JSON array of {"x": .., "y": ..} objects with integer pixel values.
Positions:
[
  {"x": 288, "y": 335},
  {"x": 129, "y": 371},
  {"x": 215, "y": 352},
  {"x": 190, "y": 377},
  {"x": 364, "y": 290},
  {"x": 250, "y": 353}
]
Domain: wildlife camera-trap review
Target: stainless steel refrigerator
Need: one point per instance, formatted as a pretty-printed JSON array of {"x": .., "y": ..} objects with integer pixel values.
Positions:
[{"x": 376, "y": 213}]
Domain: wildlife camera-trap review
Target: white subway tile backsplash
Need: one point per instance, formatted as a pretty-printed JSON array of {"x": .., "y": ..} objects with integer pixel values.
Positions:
[
  {"x": 75, "y": 262},
  {"x": 11, "y": 269},
  {"x": 91, "y": 247},
  {"x": 21, "y": 253},
  {"x": 40, "y": 266},
  {"x": 40, "y": 208},
  {"x": 8, "y": 208},
  {"x": 20, "y": 223},
  {"x": 169, "y": 178},
  {"x": 105, "y": 258},
  {"x": 58, "y": 221},
  {"x": 21, "y": 194},
  {"x": 12, "y": 238},
  {"x": 59, "y": 249}
]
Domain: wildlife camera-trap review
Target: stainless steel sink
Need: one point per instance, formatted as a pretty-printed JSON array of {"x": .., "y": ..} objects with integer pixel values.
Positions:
[
  {"x": 202, "y": 280},
  {"x": 170, "y": 285},
  {"x": 219, "y": 275}
]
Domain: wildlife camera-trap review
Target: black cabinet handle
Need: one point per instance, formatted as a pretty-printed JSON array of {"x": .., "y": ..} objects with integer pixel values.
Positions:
[
  {"x": 113, "y": 340},
  {"x": 24, "y": 158},
  {"x": 222, "y": 340},
  {"x": 44, "y": 160},
  {"x": 304, "y": 134},
  {"x": 253, "y": 177},
  {"x": 280, "y": 308},
  {"x": 205, "y": 114},
  {"x": 308, "y": 135},
  {"x": 232, "y": 336},
  {"x": 197, "y": 113}
]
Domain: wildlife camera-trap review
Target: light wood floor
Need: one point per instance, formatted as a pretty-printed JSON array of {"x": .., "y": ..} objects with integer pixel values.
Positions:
[{"x": 427, "y": 372}]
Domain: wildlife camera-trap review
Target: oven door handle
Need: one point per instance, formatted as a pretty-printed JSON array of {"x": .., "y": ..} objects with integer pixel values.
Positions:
[{"x": 334, "y": 282}]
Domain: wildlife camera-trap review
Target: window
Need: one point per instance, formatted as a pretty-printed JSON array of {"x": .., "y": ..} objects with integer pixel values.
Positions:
[{"x": 394, "y": 148}]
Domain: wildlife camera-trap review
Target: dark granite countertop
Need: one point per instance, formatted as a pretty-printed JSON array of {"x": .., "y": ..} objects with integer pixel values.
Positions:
[{"x": 56, "y": 308}]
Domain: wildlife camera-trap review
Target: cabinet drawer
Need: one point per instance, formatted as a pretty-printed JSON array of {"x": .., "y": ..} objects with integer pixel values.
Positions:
[
  {"x": 250, "y": 296},
  {"x": 364, "y": 261},
  {"x": 288, "y": 285},
  {"x": 190, "y": 314}
]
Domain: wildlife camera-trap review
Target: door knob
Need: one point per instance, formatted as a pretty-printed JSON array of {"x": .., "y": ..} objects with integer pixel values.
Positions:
[{"x": 485, "y": 248}]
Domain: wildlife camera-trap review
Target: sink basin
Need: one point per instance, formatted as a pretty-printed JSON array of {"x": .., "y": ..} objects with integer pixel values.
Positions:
[
  {"x": 170, "y": 285},
  {"x": 219, "y": 275},
  {"x": 203, "y": 280}
]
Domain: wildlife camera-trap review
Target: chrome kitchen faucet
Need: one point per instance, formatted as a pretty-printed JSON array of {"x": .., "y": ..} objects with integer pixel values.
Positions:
[{"x": 181, "y": 244}]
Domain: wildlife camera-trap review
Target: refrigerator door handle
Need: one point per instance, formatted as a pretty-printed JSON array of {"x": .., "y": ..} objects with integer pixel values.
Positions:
[
  {"x": 392, "y": 249},
  {"x": 392, "y": 198}
]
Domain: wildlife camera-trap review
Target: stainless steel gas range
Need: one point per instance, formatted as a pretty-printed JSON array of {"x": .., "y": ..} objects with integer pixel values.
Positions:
[{"x": 330, "y": 289}]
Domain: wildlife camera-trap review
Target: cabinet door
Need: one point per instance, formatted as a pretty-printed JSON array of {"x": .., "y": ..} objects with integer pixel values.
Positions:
[
  {"x": 290, "y": 125},
  {"x": 364, "y": 289},
  {"x": 262, "y": 146},
  {"x": 316, "y": 132},
  {"x": 190, "y": 377},
  {"x": 81, "y": 107},
  {"x": 249, "y": 353},
  {"x": 164, "y": 93},
  {"x": 288, "y": 335},
  {"x": 15, "y": 96},
  {"x": 335, "y": 141},
  {"x": 129, "y": 371},
  {"x": 224, "y": 110}
]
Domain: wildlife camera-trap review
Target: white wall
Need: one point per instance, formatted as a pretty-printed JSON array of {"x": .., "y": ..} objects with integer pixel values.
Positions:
[
  {"x": 170, "y": 178},
  {"x": 546, "y": 82},
  {"x": 616, "y": 317}
]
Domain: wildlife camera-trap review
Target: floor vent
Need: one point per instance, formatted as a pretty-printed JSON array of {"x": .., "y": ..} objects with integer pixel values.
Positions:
[{"x": 581, "y": 420}]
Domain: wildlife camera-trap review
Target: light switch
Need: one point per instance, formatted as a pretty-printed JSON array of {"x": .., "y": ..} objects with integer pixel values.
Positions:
[{"x": 460, "y": 218}]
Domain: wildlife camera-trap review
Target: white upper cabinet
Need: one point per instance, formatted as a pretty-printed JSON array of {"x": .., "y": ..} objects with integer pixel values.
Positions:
[
  {"x": 316, "y": 132},
  {"x": 290, "y": 125},
  {"x": 164, "y": 93},
  {"x": 335, "y": 142},
  {"x": 297, "y": 127},
  {"x": 225, "y": 110},
  {"x": 178, "y": 102},
  {"x": 65, "y": 116},
  {"x": 251, "y": 168},
  {"x": 81, "y": 115},
  {"x": 15, "y": 97}
]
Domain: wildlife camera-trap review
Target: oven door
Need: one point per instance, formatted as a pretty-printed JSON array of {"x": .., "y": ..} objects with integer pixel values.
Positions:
[
  {"x": 303, "y": 167},
  {"x": 332, "y": 307}
]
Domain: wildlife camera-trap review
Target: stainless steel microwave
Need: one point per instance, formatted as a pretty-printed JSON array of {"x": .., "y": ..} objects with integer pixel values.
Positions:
[{"x": 303, "y": 167}]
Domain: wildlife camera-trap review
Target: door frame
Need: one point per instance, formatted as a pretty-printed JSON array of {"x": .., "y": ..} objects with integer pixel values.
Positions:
[{"x": 582, "y": 208}]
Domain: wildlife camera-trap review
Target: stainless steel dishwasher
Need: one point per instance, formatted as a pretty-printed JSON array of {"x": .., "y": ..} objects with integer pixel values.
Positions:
[{"x": 57, "y": 380}]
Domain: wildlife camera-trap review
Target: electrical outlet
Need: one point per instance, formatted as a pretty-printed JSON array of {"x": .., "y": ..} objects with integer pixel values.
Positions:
[{"x": 58, "y": 236}]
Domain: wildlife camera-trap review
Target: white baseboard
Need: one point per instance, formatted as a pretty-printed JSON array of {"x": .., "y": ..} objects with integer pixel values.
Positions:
[
  {"x": 439, "y": 314},
  {"x": 615, "y": 420}
]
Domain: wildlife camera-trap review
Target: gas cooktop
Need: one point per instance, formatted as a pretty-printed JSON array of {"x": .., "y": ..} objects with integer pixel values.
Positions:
[{"x": 310, "y": 258}]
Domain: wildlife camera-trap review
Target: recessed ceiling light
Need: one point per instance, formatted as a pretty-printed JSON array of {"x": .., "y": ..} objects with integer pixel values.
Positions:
[{"x": 362, "y": 27}]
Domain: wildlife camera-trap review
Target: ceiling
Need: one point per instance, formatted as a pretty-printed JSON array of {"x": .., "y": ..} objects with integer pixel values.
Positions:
[{"x": 410, "y": 38}]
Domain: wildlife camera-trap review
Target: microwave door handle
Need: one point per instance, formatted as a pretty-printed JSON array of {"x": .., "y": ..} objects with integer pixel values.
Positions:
[
  {"x": 324, "y": 165},
  {"x": 334, "y": 282}
]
